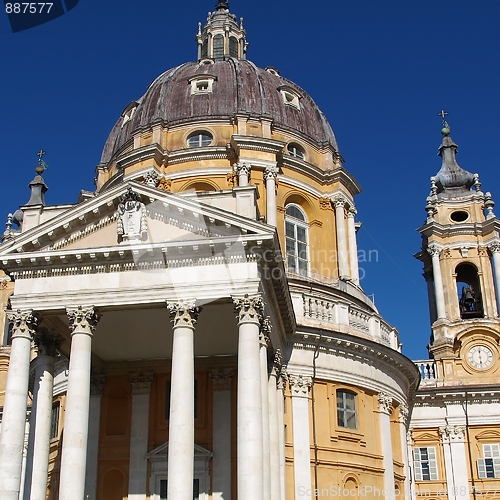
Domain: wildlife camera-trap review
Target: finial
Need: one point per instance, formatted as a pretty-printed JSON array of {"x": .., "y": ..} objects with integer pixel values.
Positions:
[
  {"x": 446, "y": 128},
  {"x": 222, "y": 5},
  {"x": 41, "y": 164}
]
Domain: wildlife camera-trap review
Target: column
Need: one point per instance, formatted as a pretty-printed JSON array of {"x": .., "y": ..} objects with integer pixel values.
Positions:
[
  {"x": 457, "y": 475},
  {"x": 281, "y": 383},
  {"x": 353, "y": 246},
  {"x": 270, "y": 175},
  {"x": 221, "y": 461},
  {"x": 37, "y": 463},
  {"x": 274, "y": 427},
  {"x": 427, "y": 274},
  {"x": 341, "y": 237},
  {"x": 434, "y": 252},
  {"x": 243, "y": 171},
  {"x": 24, "y": 324},
  {"x": 138, "y": 464},
  {"x": 264, "y": 339},
  {"x": 384, "y": 408},
  {"x": 300, "y": 387},
  {"x": 96, "y": 387},
  {"x": 495, "y": 253},
  {"x": 82, "y": 323},
  {"x": 249, "y": 432},
  {"x": 181, "y": 431},
  {"x": 403, "y": 421}
]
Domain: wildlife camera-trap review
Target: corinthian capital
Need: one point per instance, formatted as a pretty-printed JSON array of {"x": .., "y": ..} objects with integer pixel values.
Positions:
[
  {"x": 250, "y": 308},
  {"x": 300, "y": 385},
  {"x": 276, "y": 365},
  {"x": 384, "y": 403},
  {"x": 24, "y": 323},
  {"x": 339, "y": 202},
  {"x": 83, "y": 319},
  {"x": 452, "y": 433},
  {"x": 243, "y": 169},
  {"x": 434, "y": 250},
  {"x": 494, "y": 247},
  {"x": 265, "y": 332},
  {"x": 403, "y": 413},
  {"x": 184, "y": 313},
  {"x": 46, "y": 343},
  {"x": 221, "y": 379},
  {"x": 271, "y": 172},
  {"x": 141, "y": 382}
]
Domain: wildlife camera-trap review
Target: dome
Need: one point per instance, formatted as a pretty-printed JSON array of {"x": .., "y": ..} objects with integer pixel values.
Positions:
[{"x": 238, "y": 87}]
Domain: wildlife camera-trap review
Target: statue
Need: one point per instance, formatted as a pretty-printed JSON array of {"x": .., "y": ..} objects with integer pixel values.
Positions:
[{"x": 132, "y": 222}]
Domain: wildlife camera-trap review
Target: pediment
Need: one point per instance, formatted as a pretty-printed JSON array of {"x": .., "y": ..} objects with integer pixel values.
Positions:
[
  {"x": 95, "y": 229},
  {"x": 488, "y": 434},
  {"x": 161, "y": 453},
  {"x": 424, "y": 436}
]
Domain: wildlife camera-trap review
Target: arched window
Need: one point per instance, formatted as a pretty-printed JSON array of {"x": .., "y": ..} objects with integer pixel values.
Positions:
[
  {"x": 233, "y": 47},
  {"x": 199, "y": 139},
  {"x": 204, "y": 49},
  {"x": 469, "y": 291},
  {"x": 346, "y": 409},
  {"x": 296, "y": 151},
  {"x": 297, "y": 253},
  {"x": 218, "y": 47}
]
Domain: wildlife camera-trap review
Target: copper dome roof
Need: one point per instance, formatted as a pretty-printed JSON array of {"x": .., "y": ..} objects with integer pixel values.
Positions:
[{"x": 239, "y": 87}]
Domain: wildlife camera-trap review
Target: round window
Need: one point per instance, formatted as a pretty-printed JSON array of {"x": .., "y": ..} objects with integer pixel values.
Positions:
[
  {"x": 199, "y": 139},
  {"x": 459, "y": 216}
]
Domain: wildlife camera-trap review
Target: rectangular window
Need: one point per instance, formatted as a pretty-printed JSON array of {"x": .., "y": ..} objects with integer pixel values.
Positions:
[
  {"x": 425, "y": 464},
  {"x": 54, "y": 425},
  {"x": 167, "y": 399},
  {"x": 163, "y": 489},
  {"x": 346, "y": 409},
  {"x": 489, "y": 466}
]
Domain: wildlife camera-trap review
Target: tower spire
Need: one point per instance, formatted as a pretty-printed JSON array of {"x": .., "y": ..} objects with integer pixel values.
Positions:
[{"x": 222, "y": 5}]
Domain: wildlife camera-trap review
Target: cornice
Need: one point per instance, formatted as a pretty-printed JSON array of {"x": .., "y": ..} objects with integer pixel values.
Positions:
[
  {"x": 152, "y": 151},
  {"x": 257, "y": 144},
  {"x": 469, "y": 228}
]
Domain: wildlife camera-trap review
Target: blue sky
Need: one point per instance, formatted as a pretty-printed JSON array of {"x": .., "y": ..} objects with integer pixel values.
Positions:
[{"x": 380, "y": 70}]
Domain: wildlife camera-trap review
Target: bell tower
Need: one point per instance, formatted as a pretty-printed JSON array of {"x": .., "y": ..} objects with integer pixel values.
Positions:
[{"x": 461, "y": 258}]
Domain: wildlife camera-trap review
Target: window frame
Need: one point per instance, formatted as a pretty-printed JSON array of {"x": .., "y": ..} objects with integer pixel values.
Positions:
[
  {"x": 430, "y": 461},
  {"x": 296, "y": 151},
  {"x": 199, "y": 134},
  {"x": 345, "y": 410},
  {"x": 488, "y": 467},
  {"x": 302, "y": 224}
]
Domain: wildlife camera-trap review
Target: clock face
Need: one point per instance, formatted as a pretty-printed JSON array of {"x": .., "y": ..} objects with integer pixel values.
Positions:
[{"x": 480, "y": 357}]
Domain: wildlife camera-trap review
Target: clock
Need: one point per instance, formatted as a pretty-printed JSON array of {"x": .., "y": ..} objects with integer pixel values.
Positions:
[{"x": 480, "y": 357}]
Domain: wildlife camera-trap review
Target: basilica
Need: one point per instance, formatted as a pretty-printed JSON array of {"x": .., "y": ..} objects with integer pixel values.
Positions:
[{"x": 196, "y": 329}]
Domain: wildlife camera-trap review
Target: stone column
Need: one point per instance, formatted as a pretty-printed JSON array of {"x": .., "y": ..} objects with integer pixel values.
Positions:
[
  {"x": 434, "y": 252},
  {"x": 24, "y": 324},
  {"x": 221, "y": 482},
  {"x": 138, "y": 464},
  {"x": 403, "y": 430},
  {"x": 243, "y": 171},
  {"x": 250, "y": 446},
  {"x": 430, "y": 293},
  {"x": 455, "y": 458},
  {"x": 353, "y": 246},
  {"x": 281, "y": 383},
  {"x": 37, "y": 463},
  {"x": 384, "y": 408},
  {"x": 341, "y": 237},
  {"x": 264, "y": 381},
  {"x": 181, "y": 430},
  {"x": 495, "y": 253},
  {"x": 274, "y": 428},
  {"x": 270, "y": 175},
  {"x": 82, "y": 323},
  {"x": 300, "y": 387},
  {"x": 96, "y": 388}
]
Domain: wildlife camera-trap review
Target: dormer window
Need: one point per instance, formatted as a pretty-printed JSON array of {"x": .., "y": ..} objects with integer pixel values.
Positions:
[
  {"x": 202, "y": 84},
  {"x": 290, "y": 96},
  {"x": 273, "y": 71},
  {"x": 128, "y": 112}
]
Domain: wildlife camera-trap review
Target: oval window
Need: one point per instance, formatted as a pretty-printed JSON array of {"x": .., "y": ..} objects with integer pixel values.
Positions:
[
  {"x": 199, "y": 139},
  {"x": 459, "y": 216}
]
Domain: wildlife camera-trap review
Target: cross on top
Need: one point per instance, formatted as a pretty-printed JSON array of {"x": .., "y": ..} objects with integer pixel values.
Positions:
[
  {"x": 443, "y": 114},
  {"x": 40, "y": 156}
]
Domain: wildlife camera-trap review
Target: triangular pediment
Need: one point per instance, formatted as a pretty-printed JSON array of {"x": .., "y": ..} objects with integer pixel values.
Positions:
[
  {"x": 424, "y": 436},
  {"x": 97, "y": 228},
  {"x": 161, "y": 452}
]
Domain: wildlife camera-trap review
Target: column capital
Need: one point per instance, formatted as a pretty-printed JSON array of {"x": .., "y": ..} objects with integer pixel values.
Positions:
[
  {"x": 265, "y": 332},
  {"x": 282, "y": 378},
  {"x": 409, "y": 437},
  {"x": 384, "y": 403},
  {"x": 97, "y": 384},
  {"x": 339, "y": 202},
  {"x": 141, "y": 382},
  {"x": 243, "y": 169},
  {"x": 24, "y": 323},
  {"x": 452, "y": 433},
  {"x": 494, "y": 247},
  {"x": 83, "y": 319},
  {"x": 183, "y": 314},
  {"x": 221, "y": 379},
  {"x": 403, "y": 413},
  {"x": 47, "y": 343},
  {"x": 300, "y": 385},
  {"x": 271, "y": 172},
  {"x": 276, "y": 365},
  {"x": 250, "y": 308},
  {"x": 434, "y": 250}
]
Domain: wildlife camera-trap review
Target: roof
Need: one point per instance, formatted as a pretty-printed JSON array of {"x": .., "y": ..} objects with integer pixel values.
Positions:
[{"x": 239, "y": 87}]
